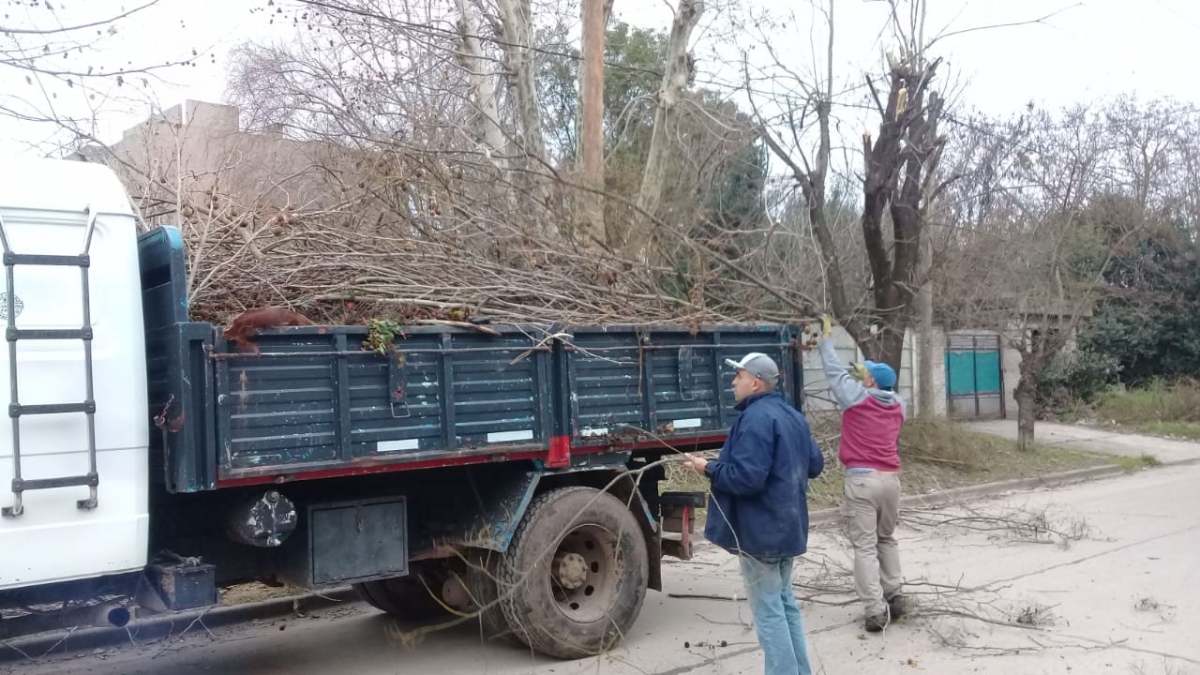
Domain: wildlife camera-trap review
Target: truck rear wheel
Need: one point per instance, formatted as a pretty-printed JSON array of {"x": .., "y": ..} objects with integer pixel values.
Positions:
[
  {"x": 405, "y": 598},
  {"x": 484, "y": 586},
  {"x": 576, "y": 573}
]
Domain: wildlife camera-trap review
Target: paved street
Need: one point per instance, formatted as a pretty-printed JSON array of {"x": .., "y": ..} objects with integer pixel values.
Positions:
[{"x": 1093, "y": 578}]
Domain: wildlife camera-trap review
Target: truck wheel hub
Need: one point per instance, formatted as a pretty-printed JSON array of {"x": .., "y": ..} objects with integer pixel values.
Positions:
[{"x": 571, "y": 569}]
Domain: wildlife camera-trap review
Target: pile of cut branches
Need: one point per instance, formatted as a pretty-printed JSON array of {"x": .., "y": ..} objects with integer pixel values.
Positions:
[
  {"x": 345, "y": 236},
  {"x": 336, "y": 270}
]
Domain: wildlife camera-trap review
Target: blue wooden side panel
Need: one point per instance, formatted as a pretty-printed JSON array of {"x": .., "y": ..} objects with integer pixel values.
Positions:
[
  {"x": 278, "y": 408},
  {"x": 662, "y": 383},
  {"x": 313, "y": 399},
  {"x": 459, "y": 393}
]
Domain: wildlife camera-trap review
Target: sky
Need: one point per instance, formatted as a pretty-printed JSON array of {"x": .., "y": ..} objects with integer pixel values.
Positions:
[{"x": 1085, "y": 51}]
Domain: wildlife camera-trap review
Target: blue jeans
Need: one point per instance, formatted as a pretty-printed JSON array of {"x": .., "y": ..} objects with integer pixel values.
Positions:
[{"x": 776, "y": 616}]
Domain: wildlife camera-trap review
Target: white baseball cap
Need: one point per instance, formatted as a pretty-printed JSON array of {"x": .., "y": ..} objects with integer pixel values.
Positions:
[{"x": 757, "y": 364}]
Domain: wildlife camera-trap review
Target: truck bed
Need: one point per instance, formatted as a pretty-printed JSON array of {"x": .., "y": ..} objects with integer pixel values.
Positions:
[{"x": 316, "y": 403}]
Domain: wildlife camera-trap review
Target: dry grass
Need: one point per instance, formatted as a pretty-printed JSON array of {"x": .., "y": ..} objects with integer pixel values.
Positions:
[
  {"x": 942, "y": 454},
  {"x": 256, "y": 592},
  {"x": 934, "y": 456},
  {"x": 1159, "y": 410}
]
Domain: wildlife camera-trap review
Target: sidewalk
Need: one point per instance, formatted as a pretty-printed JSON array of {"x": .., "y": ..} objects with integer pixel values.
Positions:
[{"x": 1114, "y": 443}]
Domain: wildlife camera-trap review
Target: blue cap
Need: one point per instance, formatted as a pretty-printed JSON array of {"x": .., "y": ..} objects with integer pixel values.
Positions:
[{"x": 884, "y": 375}]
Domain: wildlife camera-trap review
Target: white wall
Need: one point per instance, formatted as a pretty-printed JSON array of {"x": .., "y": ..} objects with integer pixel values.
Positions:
[{"x": 1010, "y": 371}]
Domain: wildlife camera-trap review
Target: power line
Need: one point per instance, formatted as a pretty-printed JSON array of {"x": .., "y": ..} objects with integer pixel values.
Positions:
[{"x": 434, "y": 31}]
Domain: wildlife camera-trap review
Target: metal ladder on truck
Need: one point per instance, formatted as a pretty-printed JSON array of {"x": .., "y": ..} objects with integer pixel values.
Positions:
[{"x": 16, "y": 410}]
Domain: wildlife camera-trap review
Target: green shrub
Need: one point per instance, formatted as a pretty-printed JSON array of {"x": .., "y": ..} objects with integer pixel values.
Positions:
[{"x": 1074, "y": 377}]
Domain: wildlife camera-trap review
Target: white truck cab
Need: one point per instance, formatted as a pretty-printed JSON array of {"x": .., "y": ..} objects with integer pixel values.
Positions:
[{"x": 73, "y": 483}]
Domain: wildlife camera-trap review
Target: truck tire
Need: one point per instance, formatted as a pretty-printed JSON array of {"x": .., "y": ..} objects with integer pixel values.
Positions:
[
  {"x": 481, "y": 581},
  {"x": 403, "y": 597},
  {"x": 576, "y": 572}
]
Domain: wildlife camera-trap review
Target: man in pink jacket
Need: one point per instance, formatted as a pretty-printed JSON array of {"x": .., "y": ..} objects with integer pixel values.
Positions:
[{"x": 872, "y": 415}]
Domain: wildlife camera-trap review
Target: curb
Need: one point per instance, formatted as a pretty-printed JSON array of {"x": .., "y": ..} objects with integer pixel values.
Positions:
[
  {"x": 1179, "y": 462},
  {"x": 165, "y": 625}
]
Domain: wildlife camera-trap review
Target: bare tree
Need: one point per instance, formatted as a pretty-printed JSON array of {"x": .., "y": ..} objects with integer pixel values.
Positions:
[
  {"x": 806, "y": 99},
  {"x": 899, "y": 180},
  {"x": 55, "y": 76},
  {"x": 901, "y": 174},
  {"x": 483, "y": 89},
  {"x": 1030, "y": 253},
  {"x": 676, "y": 75},
  {"x": 516, "y": 20}
]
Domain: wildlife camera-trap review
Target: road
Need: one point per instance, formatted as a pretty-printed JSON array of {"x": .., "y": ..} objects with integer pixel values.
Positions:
[{"x": 1097, "y": 578}]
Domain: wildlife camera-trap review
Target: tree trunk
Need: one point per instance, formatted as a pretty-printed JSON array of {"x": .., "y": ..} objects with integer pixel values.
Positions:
[
  {"x": 676, "y": 73},
  {"x": 888, "y": 347},
  {"x": 608, "y": 6},
  {"x": 591, "y": 79},
  {"x": 515, "y": 17},
  {"x": 1026, "y": 413},
  {"x": 898, "y": 167},
  {"x": 515, "y": 21},
  {"x": 483, "y": 89},
  {"x": 812, "y": 183},
  {"x": 925, "y": 347}
]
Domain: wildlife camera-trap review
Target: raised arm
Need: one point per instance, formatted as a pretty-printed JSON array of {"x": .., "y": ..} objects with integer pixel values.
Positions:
[{"x": 845, "y": 389}]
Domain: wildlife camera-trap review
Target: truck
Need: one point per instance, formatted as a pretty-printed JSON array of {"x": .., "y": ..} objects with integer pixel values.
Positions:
[{"x": 510, "y": 473}]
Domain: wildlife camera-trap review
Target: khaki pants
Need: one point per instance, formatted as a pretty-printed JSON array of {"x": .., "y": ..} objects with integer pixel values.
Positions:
[{"x": 870, "y": 509}]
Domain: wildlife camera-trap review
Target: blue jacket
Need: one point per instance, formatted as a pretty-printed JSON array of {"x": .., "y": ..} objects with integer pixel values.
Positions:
[{"x": 759, "y": 502}]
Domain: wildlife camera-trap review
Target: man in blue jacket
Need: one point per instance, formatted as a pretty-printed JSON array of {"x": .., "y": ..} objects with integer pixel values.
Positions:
[{"x": 759, "y": 506}]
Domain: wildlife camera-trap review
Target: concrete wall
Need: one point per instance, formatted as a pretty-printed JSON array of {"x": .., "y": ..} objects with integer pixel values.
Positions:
[
  {"x": 201, "y": 146},
  {"x": 1010, "y": 370}
]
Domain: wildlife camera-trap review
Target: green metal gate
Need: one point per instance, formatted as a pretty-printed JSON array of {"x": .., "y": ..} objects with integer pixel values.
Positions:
[{"x": 974, "y": 382}]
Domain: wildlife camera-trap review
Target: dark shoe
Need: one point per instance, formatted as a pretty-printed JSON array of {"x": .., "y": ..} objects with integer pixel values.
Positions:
[
  {"x": 896, "y": 606},
  {"x": 877, "y": 623}
]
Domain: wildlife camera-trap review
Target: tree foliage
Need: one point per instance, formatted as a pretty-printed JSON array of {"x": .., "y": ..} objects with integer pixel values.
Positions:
[
  {"x": 725, "y": 176},
  {"x": 1148, "y": 319}
]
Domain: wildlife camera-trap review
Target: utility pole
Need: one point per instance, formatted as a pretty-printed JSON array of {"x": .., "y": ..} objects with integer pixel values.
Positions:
[
  {"x": 592, "y": 145},
  {"x": 925, "y": 349}
]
